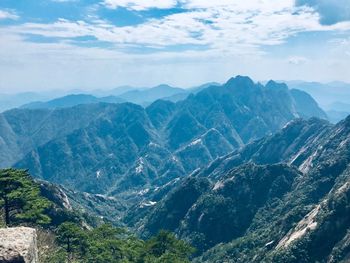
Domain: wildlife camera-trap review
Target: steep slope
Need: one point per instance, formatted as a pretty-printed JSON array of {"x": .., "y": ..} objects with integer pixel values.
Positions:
[
  {"x": 93, "y": 206},
  {"x": 223, "y": 210},
  {"x": 22, "y": 130},
  {"x": 292, "y": 145},
  {"x": 306, "y": 105},
  {"x": 97, "y": 156},
  {"x": 293, "y": 212},
  {"x": 286, "y": 145}
]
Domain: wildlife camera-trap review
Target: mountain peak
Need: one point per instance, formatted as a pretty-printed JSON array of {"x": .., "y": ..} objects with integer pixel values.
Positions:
[
  {"x": 240, "y": 81},
  {"x": 163, "y": 86},
  {"x": 273, "y": 85}
]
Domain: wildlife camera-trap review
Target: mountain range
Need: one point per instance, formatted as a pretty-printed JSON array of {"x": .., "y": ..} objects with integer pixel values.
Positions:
[
  {"x": 244, "y": 172},
  {"x": 70, "y": 101},
  {"x": 333, "y": 97},
  {"x": 113, "y": 148},
  {"x": 69, "y": 98}
]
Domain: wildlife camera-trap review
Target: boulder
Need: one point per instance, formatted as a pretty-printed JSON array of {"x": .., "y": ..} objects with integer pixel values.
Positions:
[{"x": 18, "y": 245}]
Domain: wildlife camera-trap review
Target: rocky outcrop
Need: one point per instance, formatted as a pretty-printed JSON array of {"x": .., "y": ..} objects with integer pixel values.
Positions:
[{"x": 18, "y": 245}]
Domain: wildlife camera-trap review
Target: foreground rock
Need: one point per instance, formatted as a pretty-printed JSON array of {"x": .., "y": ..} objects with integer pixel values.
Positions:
[{"x": 18, "y": 244}]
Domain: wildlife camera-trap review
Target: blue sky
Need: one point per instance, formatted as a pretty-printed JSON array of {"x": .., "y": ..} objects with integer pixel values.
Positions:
[{"x": 88, "y": 44}]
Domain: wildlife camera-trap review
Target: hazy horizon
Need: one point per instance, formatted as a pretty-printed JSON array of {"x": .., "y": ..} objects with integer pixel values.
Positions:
[{"x": 82, "y": 90}]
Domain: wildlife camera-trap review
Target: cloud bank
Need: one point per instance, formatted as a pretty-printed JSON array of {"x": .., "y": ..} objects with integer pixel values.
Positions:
[{"x": 253, "y": 37}]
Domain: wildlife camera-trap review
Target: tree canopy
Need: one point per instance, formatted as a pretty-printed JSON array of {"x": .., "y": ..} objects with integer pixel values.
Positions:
[{"x": 20, "y": 198}]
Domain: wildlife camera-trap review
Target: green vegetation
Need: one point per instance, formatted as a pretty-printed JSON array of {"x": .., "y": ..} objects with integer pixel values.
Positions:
[
  {"x": 20, "y": 199},
  {"x": 109, "y": 244},
  {"x": 246, "y": 207},
  {"x": 71, "y": 238}
]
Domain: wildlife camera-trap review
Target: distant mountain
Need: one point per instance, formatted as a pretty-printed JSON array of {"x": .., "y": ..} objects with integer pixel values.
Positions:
[
  {"x": 152, "y": 94},
  {"x": 284, "y": 198},
  {"x": 9, "y": 101},
  {"x": 324, "y": 93},
  {"x": 333, "y": 97},
  {"x": 339, "y": 106},
  {"x": 336, "y": 116},
  {"x": 112, "y": 92},
  {"x": 70, "y": 101},
  {"x": 177, "y": 97},
  {"x": 183, "y": 95},
  {"x": 337, "y": 111},
  {"x": 203, "y": 86},
  {"x": 58, "y": 98},
  {"x": 127, "y": 147}
]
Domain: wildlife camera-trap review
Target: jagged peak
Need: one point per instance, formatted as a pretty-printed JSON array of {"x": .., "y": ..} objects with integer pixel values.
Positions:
[{"x": 240, "y": 81}]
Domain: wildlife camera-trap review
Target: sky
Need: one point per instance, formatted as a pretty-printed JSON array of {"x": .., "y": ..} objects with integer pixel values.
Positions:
[{"x": 89, "y": 44}]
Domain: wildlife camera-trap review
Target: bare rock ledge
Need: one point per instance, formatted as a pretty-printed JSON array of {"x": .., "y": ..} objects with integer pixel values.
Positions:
[{"x": 18, "y": 245}]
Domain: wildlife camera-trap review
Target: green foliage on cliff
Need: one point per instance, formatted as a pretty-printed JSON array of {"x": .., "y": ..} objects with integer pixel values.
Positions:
[{"x": 20, "y": 199}]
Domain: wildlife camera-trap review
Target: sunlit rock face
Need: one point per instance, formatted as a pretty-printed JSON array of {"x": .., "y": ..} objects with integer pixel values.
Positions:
[{"x": 18, "y": 245}]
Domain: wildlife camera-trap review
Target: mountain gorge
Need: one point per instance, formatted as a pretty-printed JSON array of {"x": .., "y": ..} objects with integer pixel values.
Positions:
[{"x": 127, "y": 148}]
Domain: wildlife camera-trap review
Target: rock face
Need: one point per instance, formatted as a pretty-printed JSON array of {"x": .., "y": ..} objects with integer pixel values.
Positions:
[{"x": 18, "y": 245}]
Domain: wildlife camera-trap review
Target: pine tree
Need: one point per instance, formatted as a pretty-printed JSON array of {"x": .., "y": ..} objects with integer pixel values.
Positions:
[
  {"x": 73, "y": 239},
  {"x": 20, "y": 198},
  {"x": 166, "y": 248}
]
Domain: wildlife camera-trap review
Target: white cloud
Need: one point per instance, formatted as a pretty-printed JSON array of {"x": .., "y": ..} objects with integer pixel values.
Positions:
[
  {"x": 297, "y": 60},
  {"x": 230, "y": 26},
  {"x": 139, "y": 5},
  {"x": 230, "y": 35},
  {"x": 8, "y": 15}
]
